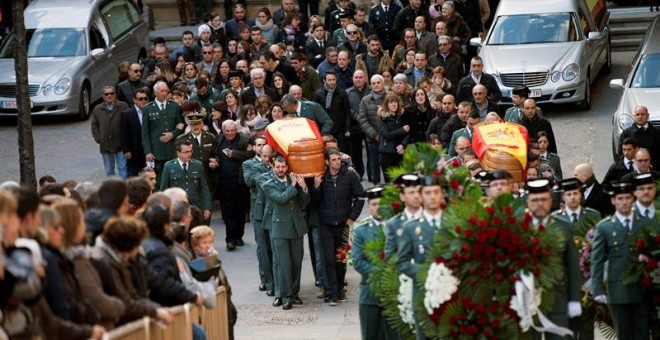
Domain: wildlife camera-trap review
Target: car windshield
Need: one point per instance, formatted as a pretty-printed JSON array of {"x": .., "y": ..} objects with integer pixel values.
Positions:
[
  {"x": 647, "y": 74},
  {"x": 50, "y": 42},
  {"x": 533, "y": 29}
]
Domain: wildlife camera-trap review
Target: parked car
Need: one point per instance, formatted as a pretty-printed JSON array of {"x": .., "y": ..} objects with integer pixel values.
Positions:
[
  {"x": 554, "y": 47},
  {"x": 642, "y": 86},
  {"x": 74, "y": 48}
]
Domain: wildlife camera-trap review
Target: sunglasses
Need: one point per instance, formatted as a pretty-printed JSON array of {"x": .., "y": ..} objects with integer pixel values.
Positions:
[
  {"x": 142, "y": 99},
  {"x": 351, "y": 32},
  {"x": 108, "y": 94},
  {"x": 137, "y": 71},
  {"x": 207, "y": 52}
]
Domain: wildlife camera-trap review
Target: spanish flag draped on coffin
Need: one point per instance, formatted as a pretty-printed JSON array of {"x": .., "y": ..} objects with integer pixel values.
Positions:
[
  {"x": 502, "y": 146},
  {"x": 300, "y": 142}
]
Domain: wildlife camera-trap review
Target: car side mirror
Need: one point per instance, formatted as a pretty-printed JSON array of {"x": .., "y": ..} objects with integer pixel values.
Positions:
[
  {"x": 616, "y": 83},
  {"x": 594, "y": 35},
  {"x": 97, "y": 52},
  {"x": 476, "y": 42}
]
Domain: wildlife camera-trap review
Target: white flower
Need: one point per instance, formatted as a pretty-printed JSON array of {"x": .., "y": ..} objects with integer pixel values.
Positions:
[
  {"x": 440, "y": 285},
  {"x": 526, "y": 312},
  {"x": 655, "y": 275},
  {"x": 405, "y": 300}
]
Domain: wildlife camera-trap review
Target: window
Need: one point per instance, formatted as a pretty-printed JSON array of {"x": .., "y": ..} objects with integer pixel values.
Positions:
[
  {"x": 120, "y": 16},
  {"x": 96, "y": 39}
]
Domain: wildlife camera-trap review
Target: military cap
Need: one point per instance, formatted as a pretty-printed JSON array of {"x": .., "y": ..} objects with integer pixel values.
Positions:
[
  {"x": 537, "y": 186},
  {"x": 345, "y": 14},
  {"x": 194, "y": 118},
  {"x": 408, "y": 180},
  {"x": 619, "y": 187},
  {"x": 498, "y": 174},
  {"x": 261, "y": 124},
  {"x": 375, "y": 192},
  {"x": 568, "y": 184},
  {"x": 520, "y": 91},
  {"x": 642, "y": 179}
]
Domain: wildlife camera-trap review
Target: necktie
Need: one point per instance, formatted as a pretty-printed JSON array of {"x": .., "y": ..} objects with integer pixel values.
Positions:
[
  {"x": 162, "y": 106},
  {"x": 321, "y": 43},
  {"x": 574, "y": 217},
  {"x": 386, "y": 8},
  {"x": 630, "y": 165},
  {"x": 626, "y": 223},
  {"x": 433, "y": 223},
  {"x": 185, "y": 169},
  {"x": 646, "y": 213}
]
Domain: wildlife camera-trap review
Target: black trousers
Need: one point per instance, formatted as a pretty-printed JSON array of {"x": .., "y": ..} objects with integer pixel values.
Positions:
[
  {"x": 135, "y": 164},
  {"x": 234, "y": 202},
  {"x": 373, "y": 162},
  {"x": 313, "y": 7},
  {"x": 388, "y": 160},
  {"x": 332, "y": 237},
  {"x": 355, "y": 151},
  {"x": 158, "y": 168}
]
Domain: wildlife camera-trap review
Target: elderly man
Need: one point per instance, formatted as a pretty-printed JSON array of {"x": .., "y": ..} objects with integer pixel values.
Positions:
[
  {"x": 356, "y": 138},
  {"x": 309, "y": 79},
  {"x": 472, "y": 120},
  {"x": 306, "y": 109},
  {"x": 481, "y": 103},
  {"x": 448, "y": 59},
  {"x": 127, "y": 88},
  {"x": 234, "y": 195},
  {"x": 257, "y": 88},
  {"x": 106, "y": 132},
  {"x": 477, "y": 76},
  {"x": 368, "y": 118},
  {"x": 461, "y": 147},
  {"x": 162, "y": 122},
  {"x": 297, "y": 92},
  {"x": 646, "y": 135},
  {"x": 594, "y": 197},
  {"x": 344, "y": 70}
]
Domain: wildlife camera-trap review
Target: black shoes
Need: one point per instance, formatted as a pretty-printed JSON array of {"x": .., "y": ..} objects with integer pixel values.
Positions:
[
  {"x": 342, "y": 297},
  {"x": 277, "y": 302},
  {"x": 297, "y": 301},
  {"x": 262, "y": 287},
  {"x": 231, "y": 246},
  {"x": 270, "y": 292},
  {"x": 240, "y": 242},
  {"x": 287, "y": 306}
]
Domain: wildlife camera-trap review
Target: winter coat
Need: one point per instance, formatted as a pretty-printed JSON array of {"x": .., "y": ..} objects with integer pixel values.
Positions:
[{"x": 340, "y": 198}]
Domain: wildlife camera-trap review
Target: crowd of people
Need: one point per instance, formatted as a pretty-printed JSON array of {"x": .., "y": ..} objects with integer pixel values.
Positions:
[{"x": 186, "y": 128}]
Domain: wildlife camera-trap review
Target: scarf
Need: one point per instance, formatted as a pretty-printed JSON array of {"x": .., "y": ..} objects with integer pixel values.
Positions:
[
  {"x": 291, "y": 32},
  {"x": 377, "y": 95},
  {"x": 328, "y": 96},
  {"x": 267, "y": 27},
  {"x": 589, "y": 181}
]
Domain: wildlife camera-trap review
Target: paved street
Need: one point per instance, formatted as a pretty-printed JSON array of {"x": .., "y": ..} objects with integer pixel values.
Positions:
[{"x": 66, "y": 150}]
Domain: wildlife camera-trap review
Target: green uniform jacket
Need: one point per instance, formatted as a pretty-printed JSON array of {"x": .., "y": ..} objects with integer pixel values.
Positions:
[
  {"x": 314, "y": 111},
  {"x": 611, "y": 244},
  {"x": 514, "y": 113},
  {"x": 157, "y": 122},
  {"x": 263, "y": 208},
  {"x": 207, "y": 100},
  {"x": 585, "y": 214},
  {"x": 555, "y": 164},
  {"x": 415, "y": 239},
  {"x": 203, "y": 153},
  {"x": 310, "y": 82},
  {"x": 253, "y": 168},
  {"x": 194, "y": 183},
  {"x": 393, "y": 230},
  {"x": 363, "y": 232},
  {"x": 454, "y": 137},
  {"x": 288, "y": 202},
  {"x": 568, "y": 289}
]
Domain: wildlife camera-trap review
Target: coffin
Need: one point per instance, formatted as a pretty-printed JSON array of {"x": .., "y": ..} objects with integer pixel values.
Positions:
[
  {"x": 306, "y": 157},
  {"x": 300, "y": 142},
  {"x": 502, "y": 146},
  {"x": 498, "y": 160}
]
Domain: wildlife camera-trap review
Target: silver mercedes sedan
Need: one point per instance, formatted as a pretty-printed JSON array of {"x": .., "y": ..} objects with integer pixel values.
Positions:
[
  {"x": 74, "y": 48},
  {"x": 554, "y": 47},
  {"x": 642, "y": 87}
]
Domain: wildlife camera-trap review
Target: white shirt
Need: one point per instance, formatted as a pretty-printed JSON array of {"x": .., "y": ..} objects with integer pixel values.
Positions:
[
  {"x": 410, "y": 215},
  {"x": 379, "y": 223},
  {"x": 298, "y": 109},
  {"x": 570, "y": 212},
  {"x": 182, "y": 163},
  {"x": 587, "y": 191},
  {"x": 161, "y": 105},
  {"x": 642, "y": 209},
  {"x": 139, "y": 114},
  {"x": 198, "y": 137},
  {"x": 430, "y": 218},
  {"x": 623, "y": 219},
  {"x": 476, "y": 79},
  {"x": 536, "y": 221}
]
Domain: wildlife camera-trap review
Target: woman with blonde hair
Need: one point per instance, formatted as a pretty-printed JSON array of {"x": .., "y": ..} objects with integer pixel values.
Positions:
[
  {"x": 391, "y": 132},
  {"x": 81, "y": 281}
]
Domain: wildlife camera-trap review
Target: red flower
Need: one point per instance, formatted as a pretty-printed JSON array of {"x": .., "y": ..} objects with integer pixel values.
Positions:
[
  {"x": 456, "y": 256},
  {"x": 535, "y": 240},
  {"x": 482, "y": 321},
  {"x": 458, "y": 229},
  {"x": 647, "y": 281},
  {"x": 483, "y": 223},
  {"x": 341, "y": 255},
  {"x": 511, "y": 220},
  {"x": 454, "y": 184},
  {"x": 396, "y": 205},
  {"x": 490, "y": 210},
  {"x": 382, "y": 255},
  {"x": 508, "y": 210},
  {"x": 495, "y": 323},
  {"x": 482, "y": 237},
  {"x": 439, "y": 260},
  {"x": 472, "y": 283},
  {"x": 472, "y": 330},
  {"x": 537, "y": 271},
  {"x": 455, "y": 163},
  {"x": 497, "y": 220},
  {"x": 479, "y": 308},
  {"x": 466, "y": 247},
  {"x": 499, "y": 277},
  {"x": 500, "y": 257},
  {"x": 657, "y": 239},
  {"x": 348, "y": 247},
  {"x": 640, "y": 244},
  {"x": 467, "y": 303},
  {"x": 524, "y": 226},
  {"x": 437, "y": 173},
  {"x": 472, "y": 270},
  {"x": 528, "y": 218},
  {"x": 493, "y": 306},
  {"x": 452, "y": 320},
  {"x": 472, "y": 219},
  {"x": 469, "y": 233},
  {"x": 541, "y": 228}
]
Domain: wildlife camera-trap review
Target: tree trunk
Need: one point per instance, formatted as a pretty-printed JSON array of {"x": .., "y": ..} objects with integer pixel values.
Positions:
[{"x": 25, "y": 139}]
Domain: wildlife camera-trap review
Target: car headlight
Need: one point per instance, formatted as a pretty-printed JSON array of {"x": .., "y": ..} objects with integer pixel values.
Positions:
[
  {"x": 47, "y": 89},
  {"x": 62, "y": 86},
  {"x": 554, "y": 77},
  {"x": 625, "y": 121},
  {"x": 570, "y": 72}
]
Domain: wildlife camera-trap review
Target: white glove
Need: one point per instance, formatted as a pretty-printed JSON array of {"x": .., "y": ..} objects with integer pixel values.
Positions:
[
  {"x": 601, "y": 299},
  {"x": 574, "y": 309}
]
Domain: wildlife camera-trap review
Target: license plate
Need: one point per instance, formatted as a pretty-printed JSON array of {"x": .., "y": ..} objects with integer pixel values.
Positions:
[
  {"x": 9, "y": 105},
  {"x": 534, "y": 93}
]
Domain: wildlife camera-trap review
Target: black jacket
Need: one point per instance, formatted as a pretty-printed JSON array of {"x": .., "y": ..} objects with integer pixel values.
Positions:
[
  {"x": 126, "y": 90},
  {"x": 248, "y": 96},
  {"x": 453, "y": 124},
  {"x": 340, "y": 198},
  {"x": 95, "y": 219},
  {"x": 465, "y": 85},
  {"x": 648, "y": 138},
  {"x": 599, "y": 200},
  {"x": 436, "y": 124},
  {"x": 418, "y": 122},
  {"x": 537, "y": 124},
  {"x": 339, "y": 110},
  {"x": 312, "y": 50},
  {"x": 166, "y": 271},
  {"x": 131, "y": 136},
  {"x": 616, "y": 171},
  {"x": 391, "y": 133}
]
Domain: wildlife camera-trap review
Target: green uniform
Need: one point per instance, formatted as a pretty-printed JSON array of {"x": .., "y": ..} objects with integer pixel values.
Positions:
[
  {"x": 372, "y": 322},
  {"x": 315, "y": 112},
  {"x": 155, "y": 123},
  {"x": 514, "y": 113},
  {"x": 393, "y": 230},
  {"x": 626, "y": 301},
  {"x": 252, "y": 169},
  {"x": 203, "y": 152},
  {"x": 193, "y": 182},
  {"x": 288, "y": 226},
  {"x": 207, "y": 100}
]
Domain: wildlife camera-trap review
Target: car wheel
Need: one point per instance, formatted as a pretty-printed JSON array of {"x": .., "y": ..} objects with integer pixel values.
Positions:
[
  {"x": 585, "y": 104},
  {"x": 607, "y": 67},
  {"x": 84, "y": 103}
]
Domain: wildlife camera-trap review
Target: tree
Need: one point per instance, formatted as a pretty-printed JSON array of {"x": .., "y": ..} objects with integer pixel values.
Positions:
[{"x": 25, "y": 138}]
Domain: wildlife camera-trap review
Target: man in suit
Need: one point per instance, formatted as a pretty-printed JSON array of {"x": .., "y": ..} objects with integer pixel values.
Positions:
[
  {"x": 594, "y": 196},
  {"x": 252, "y": 169},
  {"x": 567, "y": 292},
  {"x": 625, "y": 164},
  {"x": 646, "y": 135},
  {"x": 611, "y": 245},
  {"x": 582, "y": 220},
  {"x": 642, "y": 165},
  {"x": 382, "y": 18},
  {"x": 161, "y": 124},
  {"x": 645, "y": 192},
  {"x": 131, "y": 133},
  {"x": 257, "y": 87},
  {"x": 231, "y": 152},
  {"x": 204, "y": 146},
  {"x": 315, "y": 47},
  {"x": 126, "y": 89},
  {"x": 372, "y": 321},
  {"x": 416, "y": 235},
  {"x": 307, "y": 109},
  {"x": 188, "y": 174},
  {"x": 287, "y": 195},
  {"x": 410, "y": 195}
]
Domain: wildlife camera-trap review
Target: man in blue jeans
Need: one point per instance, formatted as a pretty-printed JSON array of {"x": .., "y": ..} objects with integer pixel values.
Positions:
[{"x": 368, "y": 119}]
